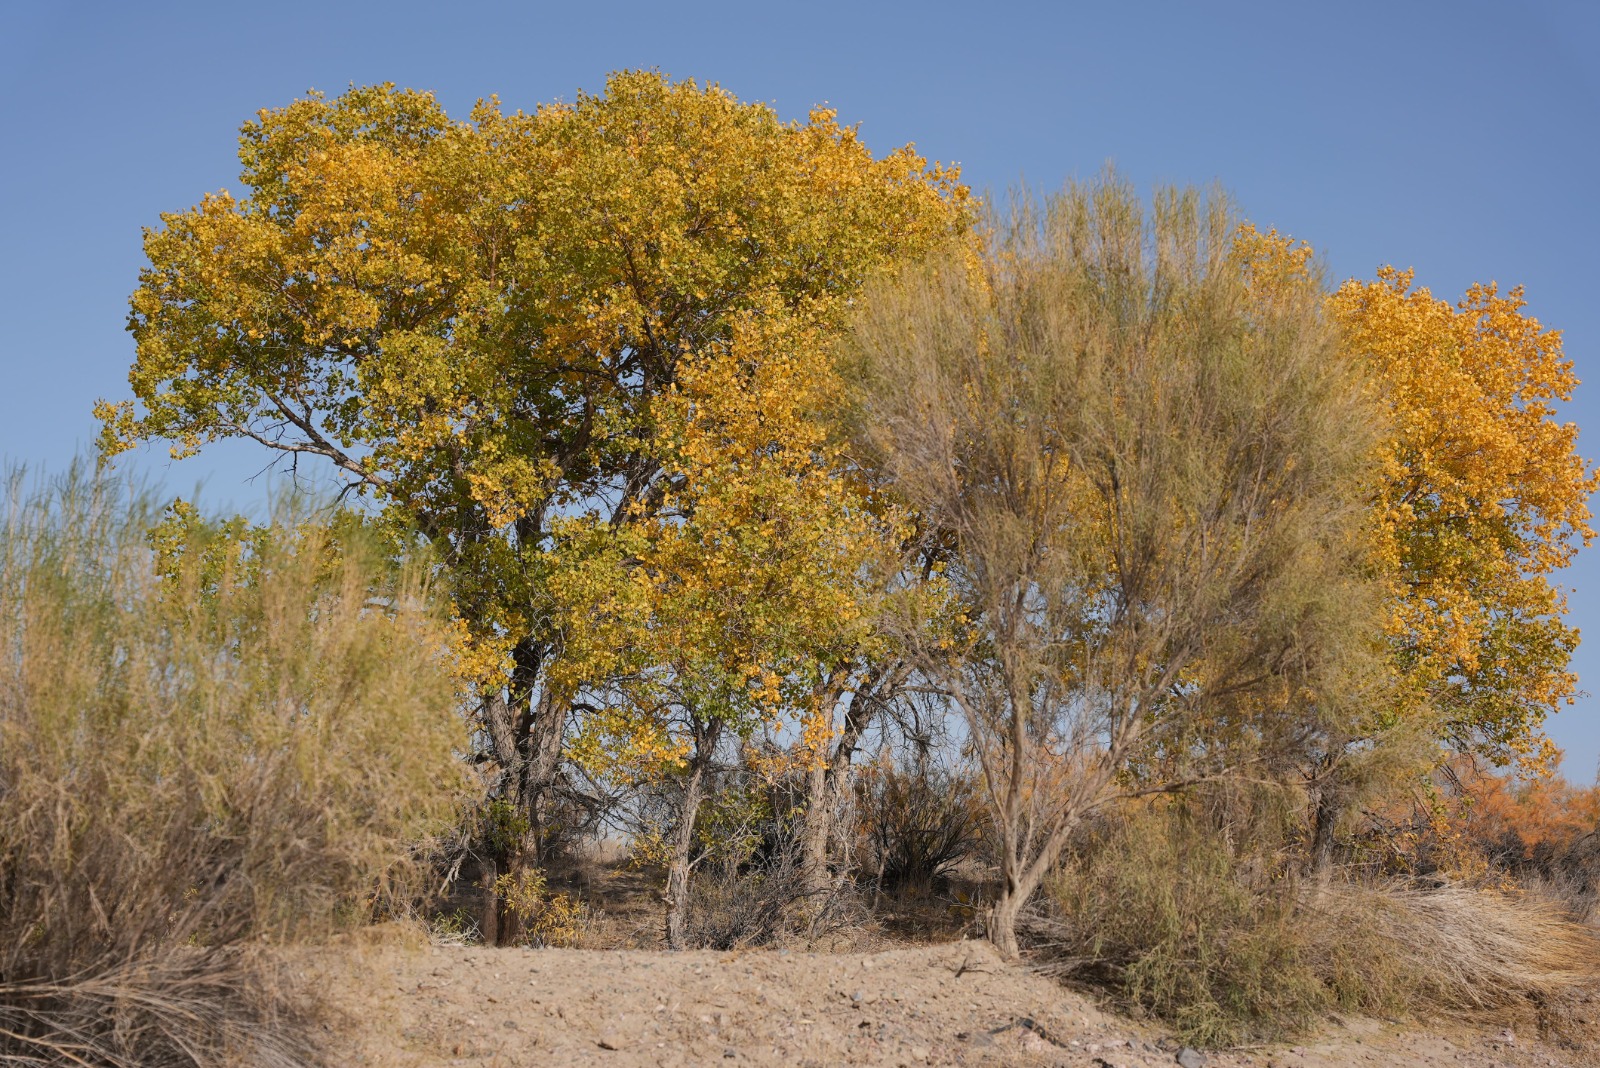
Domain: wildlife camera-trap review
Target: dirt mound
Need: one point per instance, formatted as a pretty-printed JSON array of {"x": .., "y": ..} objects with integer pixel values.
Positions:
[{"x": 954, "y": 1004}]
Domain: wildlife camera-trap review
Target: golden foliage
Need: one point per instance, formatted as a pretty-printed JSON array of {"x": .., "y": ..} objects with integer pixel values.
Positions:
[
  {"x": 544, "y": 918},
  {"x": 582, "y": 350},
  {"x": 1483, "y": 498}
]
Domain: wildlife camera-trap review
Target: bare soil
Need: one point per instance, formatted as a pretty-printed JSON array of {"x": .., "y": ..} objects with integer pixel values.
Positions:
[{"x": 406, "y": 1005}]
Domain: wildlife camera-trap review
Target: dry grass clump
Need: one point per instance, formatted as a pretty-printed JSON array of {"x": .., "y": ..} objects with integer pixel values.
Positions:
[
  {"x": 1217, "y": 933},
  {"x": 209, "y": 738},
  {"x": 1449, "y": 950}
]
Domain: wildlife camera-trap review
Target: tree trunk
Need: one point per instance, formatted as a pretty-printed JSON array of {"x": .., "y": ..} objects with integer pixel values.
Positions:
[
  {"x": 825, "y": 785},
  {"x": 815, "y": 832},
  {"x": 1021, "y": 880},
  {"x": 489, "y": 911},
  {"x": 526, "y": 740},
  {"x": 1329, "y": 796},
  {"x": 1003, "y": 918},
  {"x": 541, "y": 765},
  {"x": 1330, "y": 807},
  {"x": 677, "y": 895}
]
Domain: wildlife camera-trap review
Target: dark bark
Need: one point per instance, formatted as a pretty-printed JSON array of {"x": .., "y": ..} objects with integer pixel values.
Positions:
[
  {"x": 525, "y": 737},
  {"x": 541, "y": 767},
  {"x": 489, "y": 910}
]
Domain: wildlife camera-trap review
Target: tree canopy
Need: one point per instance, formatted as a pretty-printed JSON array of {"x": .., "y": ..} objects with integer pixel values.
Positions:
[
  {"x": 718, "y": 425},
  {"x": 509, "y": 331}
]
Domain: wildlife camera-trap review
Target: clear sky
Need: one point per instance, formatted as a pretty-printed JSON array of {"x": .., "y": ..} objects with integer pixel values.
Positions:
[{"x": 1459, "y": 138}]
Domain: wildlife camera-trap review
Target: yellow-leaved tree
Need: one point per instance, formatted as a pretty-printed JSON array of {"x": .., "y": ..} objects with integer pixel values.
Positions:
[
  {"x": 1481, "y": 498},
  {"x": 478, "y": 324},
  {"x": 727, "y": 609},
  {"x": 1484, "y": 498}
]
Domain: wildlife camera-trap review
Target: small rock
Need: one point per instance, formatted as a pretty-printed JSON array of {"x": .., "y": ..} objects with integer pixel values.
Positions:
[
  {"x": 1508, "y": 1036},
  {"x": 511, "y": 1025},
  {"x": 730, "y": 1053},
  {"x": 1031, "y": 1042},
  {"x": 1190, "y": 1058},
  {"x": 611, "y": 1042}
]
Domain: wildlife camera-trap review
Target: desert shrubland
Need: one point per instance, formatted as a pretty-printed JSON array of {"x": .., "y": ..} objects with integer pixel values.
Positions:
[{"x": 1088, "y": 571}]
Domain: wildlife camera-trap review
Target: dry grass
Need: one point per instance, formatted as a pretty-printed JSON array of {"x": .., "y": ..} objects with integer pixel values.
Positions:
[
  {"x": 1218, "y": 934},
  {"x": 206, "y": 742},
  {"x": 1451, "y": 950},
  {"x": 162, "y": 1007}
]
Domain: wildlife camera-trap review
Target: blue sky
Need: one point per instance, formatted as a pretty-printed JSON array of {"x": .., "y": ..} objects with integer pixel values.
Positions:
[{"x": 1458, "y": 138}]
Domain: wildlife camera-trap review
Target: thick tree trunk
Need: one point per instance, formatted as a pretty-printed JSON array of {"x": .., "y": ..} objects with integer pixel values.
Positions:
[
  {"x": 541, "y": 766},
  {"x": 526, "y": 739},
  {"x": 489, "y": 909},
  {"x": 814, "y": 832},
  {"x": 677, "y": 895}
]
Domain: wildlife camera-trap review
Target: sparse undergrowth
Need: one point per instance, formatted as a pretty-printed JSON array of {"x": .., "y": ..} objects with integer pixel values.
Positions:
[{"x": 1230, "y": 944}]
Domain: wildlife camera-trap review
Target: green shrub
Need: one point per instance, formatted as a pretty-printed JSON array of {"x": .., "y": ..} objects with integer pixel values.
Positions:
[{"x": 1160, "y": 906}]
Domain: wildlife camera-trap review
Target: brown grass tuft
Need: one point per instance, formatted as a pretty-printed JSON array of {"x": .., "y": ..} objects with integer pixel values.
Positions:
[{"x": 1453, "y": 950}]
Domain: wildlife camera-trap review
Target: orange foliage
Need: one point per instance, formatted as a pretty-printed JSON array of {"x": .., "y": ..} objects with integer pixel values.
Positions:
[{"x": 1517, "y": 818}]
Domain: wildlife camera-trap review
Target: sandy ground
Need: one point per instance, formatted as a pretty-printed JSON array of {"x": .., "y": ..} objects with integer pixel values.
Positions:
[{"x": 952, "y": 1004}]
